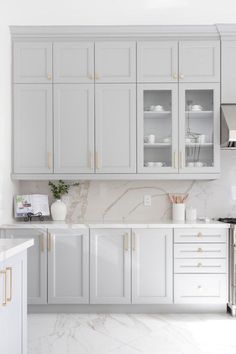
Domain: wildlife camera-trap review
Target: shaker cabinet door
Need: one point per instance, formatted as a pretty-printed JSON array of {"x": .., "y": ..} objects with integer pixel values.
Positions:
[
  {"x": 199, "y": 61},
  {"x": 110, "y": 266},
  {"x": 157, "y": 61},
  {"x": 115, "y": 61},
  {"x": 32, "y": 128},
  {"x": 73, "y": 62},
  {"x": 228, "y": 72},
  {"x": 152, "y": 272},
  {"x": 32, "y": 62},
  {"x": 73, "y": 128},
  {"x": 115, "y": 112},
  {"x": 199, "y": 128},
  {"x": 36, "y": 263},
  {"x": 68, "y": 266}
]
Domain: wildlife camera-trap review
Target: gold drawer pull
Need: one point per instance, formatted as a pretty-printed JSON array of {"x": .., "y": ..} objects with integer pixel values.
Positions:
[
  {"x": 50, "y": 241},
  {"x": 199, "y": 264},
  {"x": 199, "y": 234},
  {"x": 41, "y": 238},
  {"x": 9, "y": 269},
  {"x": 4, "y": 273},
  {"x": 133, "y": 241}
]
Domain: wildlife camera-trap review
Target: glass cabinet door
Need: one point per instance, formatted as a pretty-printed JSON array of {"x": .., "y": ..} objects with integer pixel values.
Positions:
[
  {"x": 158, "y": 128},
  {"x": 199, "y": 140}
]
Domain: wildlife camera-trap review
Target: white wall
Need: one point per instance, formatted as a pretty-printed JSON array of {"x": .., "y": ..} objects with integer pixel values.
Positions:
[{"x": 83, "y": 12}]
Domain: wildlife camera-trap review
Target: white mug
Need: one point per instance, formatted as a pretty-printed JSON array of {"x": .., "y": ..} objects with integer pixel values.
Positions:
[
  {"x": 196, "y": 107},
  {"x": 151, "y": 139},
  {"x": 190, "y": 164}
]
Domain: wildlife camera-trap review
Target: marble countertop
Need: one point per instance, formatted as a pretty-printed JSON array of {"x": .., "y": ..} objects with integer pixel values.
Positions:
[
  {"x": 116, "y": 224},
  {"x": 11, "y": 247}
]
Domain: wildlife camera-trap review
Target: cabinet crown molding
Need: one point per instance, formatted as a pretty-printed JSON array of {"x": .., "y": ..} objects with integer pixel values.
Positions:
[{"x": 141, "y": 31}]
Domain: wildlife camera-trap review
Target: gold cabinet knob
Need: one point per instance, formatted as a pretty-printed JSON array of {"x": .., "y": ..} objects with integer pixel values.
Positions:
[
  {"x": 199, "y": 264},
  {"x": 199, "y": 287},
  {"x": 175, "y": 76},
  {"x": 91, "y": 77},
  {"x": 199, "y": 234},
  {"x": 181, "y": 76},
  {"x": 97, "y": 77},
  {"x": 199, "y": 249},
  {"x": 49, "y": 77}
]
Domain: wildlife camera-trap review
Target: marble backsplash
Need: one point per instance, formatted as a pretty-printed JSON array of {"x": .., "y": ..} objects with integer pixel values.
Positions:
[{"x": 123, "y": 200}]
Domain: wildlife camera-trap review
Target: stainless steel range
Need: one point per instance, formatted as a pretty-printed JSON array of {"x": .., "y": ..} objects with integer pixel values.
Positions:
[{"x": 231, "y": 307}]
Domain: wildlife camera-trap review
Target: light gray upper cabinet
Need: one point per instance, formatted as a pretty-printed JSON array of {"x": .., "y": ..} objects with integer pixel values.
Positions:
[
  {"x": 199, "y": 129},
  {"x": 73, "y": 62},
  {"x": 115, "y": 111},
  {"x": 32, "y": 129},
  {"x": 115, "y": 61},
  {"x": 199, "y": 61},
  {"x": 32, "y": 62},
  {"x": 157, "y": 61},
  {"x": 73, "y": 128},
  {"x": 228, "y": 72},
  {"x": 68, "y": 266},
  {"x": 36, "y": 263},
  {"x": 152, "y": 273},
  {"x": 110, "y": 266}
]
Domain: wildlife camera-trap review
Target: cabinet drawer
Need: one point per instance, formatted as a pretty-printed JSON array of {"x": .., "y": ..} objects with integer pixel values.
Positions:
[
  {"x": 200, "y": 250},
  {"x": 200, "y": 235},
  {"x": 200, "y": 288},
  {"x": 200, "y": 266}
]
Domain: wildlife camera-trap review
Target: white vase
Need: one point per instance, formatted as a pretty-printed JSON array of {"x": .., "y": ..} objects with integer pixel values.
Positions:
[
  {"x": 178, "y": 212},
  {"x": 58, "y": 210}
]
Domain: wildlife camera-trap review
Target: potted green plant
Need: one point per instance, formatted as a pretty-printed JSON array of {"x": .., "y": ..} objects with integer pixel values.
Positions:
[{"x": 58, "y": 208}]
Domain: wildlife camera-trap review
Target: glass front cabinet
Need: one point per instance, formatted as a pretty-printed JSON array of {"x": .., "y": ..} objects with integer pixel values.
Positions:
[{"x": 178, "y": 128}]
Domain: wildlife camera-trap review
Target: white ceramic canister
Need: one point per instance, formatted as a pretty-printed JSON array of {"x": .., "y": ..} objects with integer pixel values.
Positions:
[
  {"x": 58, "y": 210},
  {"x": 191, "y": 214},
  {"x": 178, "y": 211}
]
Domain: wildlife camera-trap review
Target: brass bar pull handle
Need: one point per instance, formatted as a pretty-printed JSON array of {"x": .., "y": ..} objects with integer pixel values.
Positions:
[
  {"x": 49, "y": 160},
  {"x": 4, "y": 273},
  {"x": 175, "y": 158},
  {"x": 9, "y": 269},
  {"x": 133, "y": 241},
  {"x": 41, "y": 242},
  {"x": 126, "y": 241},
  {"x": 49, "y": 242},
  {"x": 97, "y": 161}
]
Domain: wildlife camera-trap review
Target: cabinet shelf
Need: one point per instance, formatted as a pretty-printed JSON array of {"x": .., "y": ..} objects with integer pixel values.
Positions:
[
  {"x": 153, "y": 114},
  {"x": 195, "y": 114},
  {"x": 199, "y": 144},
  {"x": 157, "y": 145}
]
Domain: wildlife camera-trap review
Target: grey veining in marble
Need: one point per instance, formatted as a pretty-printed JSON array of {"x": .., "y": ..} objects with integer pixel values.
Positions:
[
  {"x": 131, "y": 334},
  {"x": 123, "y": 200}
]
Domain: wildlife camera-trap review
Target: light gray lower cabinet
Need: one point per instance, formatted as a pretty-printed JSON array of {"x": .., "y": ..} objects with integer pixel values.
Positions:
[
  {"x": 73, "y": 128},
  {"x": 110, "y": 266},
  {"x": 37, "y": 263},
  {"x": 68, "y": 266},
  {"x": 13, "y": 305},
  {"x": 32, "y": 129},
  {"x": 115, "y": 111},
  {"x": 152, "y": 266}
]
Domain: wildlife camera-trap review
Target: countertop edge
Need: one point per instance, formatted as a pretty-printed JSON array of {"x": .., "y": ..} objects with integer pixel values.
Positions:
[{"x": 15, "y": 247}]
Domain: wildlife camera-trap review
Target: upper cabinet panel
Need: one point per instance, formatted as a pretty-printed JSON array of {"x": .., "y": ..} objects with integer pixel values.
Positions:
[
  {"x": 32, "y": 62},
  {"x": 157, "y": 61},
  {"x": 228, "y": 72},
  {"x": 199, "y": 61},
  {"x": 73, "y": 62},
  {"x": 115, "y": 62}
]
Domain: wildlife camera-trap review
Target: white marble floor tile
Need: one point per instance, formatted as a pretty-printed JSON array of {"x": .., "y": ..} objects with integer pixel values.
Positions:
[{"x": 131, "y": 334}]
